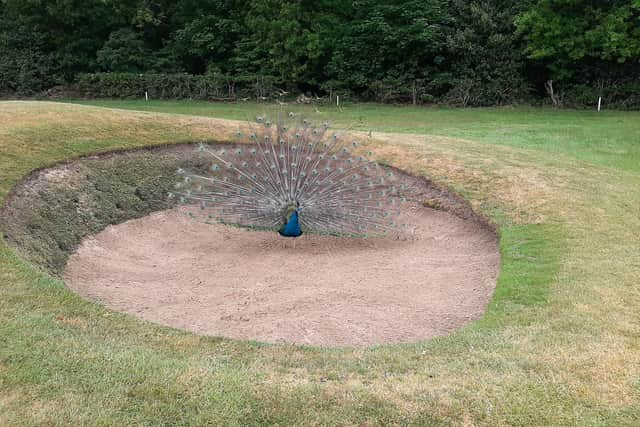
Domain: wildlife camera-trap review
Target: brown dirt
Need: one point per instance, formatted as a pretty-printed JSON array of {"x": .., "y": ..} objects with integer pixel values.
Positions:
[{"x": 221, "y": 280}]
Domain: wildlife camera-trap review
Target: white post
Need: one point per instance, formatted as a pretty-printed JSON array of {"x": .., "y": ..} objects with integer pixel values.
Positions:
[
  {"x": 146, "y": 96},
  {"x": 337, "y": 100},
  {"x": 599, "y": 102}
]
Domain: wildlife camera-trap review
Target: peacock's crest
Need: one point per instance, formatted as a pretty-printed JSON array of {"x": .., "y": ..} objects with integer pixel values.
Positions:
[{"x": 278, "y": 168}]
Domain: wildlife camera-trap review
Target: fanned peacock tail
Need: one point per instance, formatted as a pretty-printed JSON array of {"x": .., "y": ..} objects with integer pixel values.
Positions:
[{"x": 280, "y": 168}]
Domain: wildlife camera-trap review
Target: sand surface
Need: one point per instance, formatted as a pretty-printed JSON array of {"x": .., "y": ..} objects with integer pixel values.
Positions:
[{"x": 220, "y": 280}]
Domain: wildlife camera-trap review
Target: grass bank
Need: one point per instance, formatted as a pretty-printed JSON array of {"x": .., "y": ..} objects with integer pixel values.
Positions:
[
  {"x": 608, "y": 138},
  {"x": 560, "y": 344}
]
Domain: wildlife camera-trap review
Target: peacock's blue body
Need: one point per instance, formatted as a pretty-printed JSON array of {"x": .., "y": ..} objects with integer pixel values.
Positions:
[
  {"x": 292, "y": 227},
  {"x": 294, "y": 179}
]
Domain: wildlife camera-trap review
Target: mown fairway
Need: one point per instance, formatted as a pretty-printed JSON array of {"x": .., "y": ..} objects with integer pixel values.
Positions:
[{"x": 560, "y": 344}]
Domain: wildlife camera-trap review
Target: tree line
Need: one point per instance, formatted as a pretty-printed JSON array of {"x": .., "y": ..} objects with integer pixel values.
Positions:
[{"x": 459, "y": 52}]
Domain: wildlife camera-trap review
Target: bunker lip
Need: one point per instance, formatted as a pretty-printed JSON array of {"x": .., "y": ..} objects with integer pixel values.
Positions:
[{"x": 50, "y": 212}]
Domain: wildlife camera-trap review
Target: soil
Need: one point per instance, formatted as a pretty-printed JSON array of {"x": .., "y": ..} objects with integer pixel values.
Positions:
[{"x": 226, "y": 281}]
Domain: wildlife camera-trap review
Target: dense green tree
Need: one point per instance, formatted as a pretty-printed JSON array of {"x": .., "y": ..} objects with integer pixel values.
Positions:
[
  {"x": 563, "y": 33},
  {"x": 207, "y": 40},
  {"x": 25, "y": 64},
  {"x": 73, "y": 30},
  {"x": 485, "y": 61},
  {"x": 584, "y": 43},
  {"x": 124, "y": 51},
  {"x": 277, "y": 42},
  {"x": 473, "y": 52},
  {"x": 387, "y": 47}
]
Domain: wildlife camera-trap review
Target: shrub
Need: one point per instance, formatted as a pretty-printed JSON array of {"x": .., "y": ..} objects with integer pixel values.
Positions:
[
  {"x": 212, "y": 86},
  {"x": 618, "y": 94},
  {"x": 25, "y": 67}
]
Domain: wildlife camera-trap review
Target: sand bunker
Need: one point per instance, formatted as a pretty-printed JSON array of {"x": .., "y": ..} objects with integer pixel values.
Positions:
[{"x": 226, "y": 281}]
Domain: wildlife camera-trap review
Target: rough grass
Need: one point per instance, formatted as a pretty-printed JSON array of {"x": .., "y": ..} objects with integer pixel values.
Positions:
[
  {"x": 608, "y": 138},
  {"x": 560, "y": 344}
]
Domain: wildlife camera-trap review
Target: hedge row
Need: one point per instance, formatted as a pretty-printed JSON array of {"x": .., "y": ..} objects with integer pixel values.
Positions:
[
  {"x": 621, "y": 95},
  {"x": 615, "y": 94},
  {"x": 174, "y": 86}
]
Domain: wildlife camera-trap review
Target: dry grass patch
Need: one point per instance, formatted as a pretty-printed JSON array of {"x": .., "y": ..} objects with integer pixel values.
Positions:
[{"x": 560, "y": 344}]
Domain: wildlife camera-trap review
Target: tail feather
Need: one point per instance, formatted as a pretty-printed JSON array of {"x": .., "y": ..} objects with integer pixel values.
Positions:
[{"x": 335, "y": 188}]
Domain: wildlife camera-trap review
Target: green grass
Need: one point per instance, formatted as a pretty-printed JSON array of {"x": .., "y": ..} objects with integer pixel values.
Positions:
[
  {"x": 607, "y": 138},
  {"x": 559, "y": 345},
  {"x": 529, "y": 263}
]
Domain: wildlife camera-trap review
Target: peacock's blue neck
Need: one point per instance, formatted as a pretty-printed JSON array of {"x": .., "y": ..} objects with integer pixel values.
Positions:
[{"x": 292, "y": 227}]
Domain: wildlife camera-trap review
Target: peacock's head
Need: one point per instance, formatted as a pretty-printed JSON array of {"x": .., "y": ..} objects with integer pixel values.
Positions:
[{"x": 292, "y": 207}]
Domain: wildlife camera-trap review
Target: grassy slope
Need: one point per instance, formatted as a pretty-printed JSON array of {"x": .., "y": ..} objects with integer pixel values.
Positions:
[
  {"x": 560, "y": 344},
  {"x": 606, "y": 138}
]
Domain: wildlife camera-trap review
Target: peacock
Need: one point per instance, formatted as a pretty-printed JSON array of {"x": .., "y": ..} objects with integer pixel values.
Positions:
[{"x": 293, "y": 177}]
